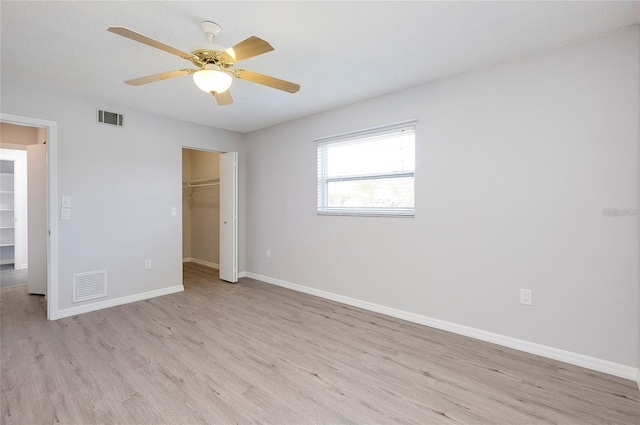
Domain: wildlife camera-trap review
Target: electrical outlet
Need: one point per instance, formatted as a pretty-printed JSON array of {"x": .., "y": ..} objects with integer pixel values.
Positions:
[
  {"x": 268, "y": 253},
  {"x": 525, "y": 296},
  {"x": 147, "y": 264}
]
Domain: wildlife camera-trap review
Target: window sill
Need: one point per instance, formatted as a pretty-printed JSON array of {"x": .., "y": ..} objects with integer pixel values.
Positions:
[{"x": 352, "y": 213}]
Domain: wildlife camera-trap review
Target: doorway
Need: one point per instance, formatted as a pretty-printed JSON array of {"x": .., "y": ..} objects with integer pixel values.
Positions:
[
  {"x": 13, "y": 213},
  {"x": 209, "y": 210},
  {"x": 23, "y": 211},
  {"x": 40, "y": 253}
]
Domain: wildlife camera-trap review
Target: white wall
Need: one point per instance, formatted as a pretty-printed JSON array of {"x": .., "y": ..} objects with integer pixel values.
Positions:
[
  {"x": 514, "y": 165},
  {"x": 123, "y": 182}
]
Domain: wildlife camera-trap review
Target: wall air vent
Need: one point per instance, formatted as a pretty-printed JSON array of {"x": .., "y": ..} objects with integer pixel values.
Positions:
[
  {"x": 90, "y": 285},
  {"x": 110, "y": 118}
]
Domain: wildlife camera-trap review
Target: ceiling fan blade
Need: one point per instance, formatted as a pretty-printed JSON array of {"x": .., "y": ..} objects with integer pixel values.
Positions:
[
  {"x": 159, "y": 77},
  {"x": 126, "y": 32},
  {"x": 248, "y": 48},
  {"x": 266, "y": 80},
  {"x": 223, "y": 98}
]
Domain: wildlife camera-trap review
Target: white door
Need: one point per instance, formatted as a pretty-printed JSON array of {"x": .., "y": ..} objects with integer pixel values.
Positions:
[
  {"x": 229, "y": 216},
  {"x": 37, "y": 218}
]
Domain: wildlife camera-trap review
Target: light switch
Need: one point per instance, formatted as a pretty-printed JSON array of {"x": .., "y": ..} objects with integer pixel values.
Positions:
[
  {"x": 66, "y": 202},
  {"x": 65, "y": 213},
  {"x": 174, "y": 211}
]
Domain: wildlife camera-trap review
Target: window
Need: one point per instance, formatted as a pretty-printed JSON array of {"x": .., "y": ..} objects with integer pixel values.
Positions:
[{"x": 368, "y": 173}]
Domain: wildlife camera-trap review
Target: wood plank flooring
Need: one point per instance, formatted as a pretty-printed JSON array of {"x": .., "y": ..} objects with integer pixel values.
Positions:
[
  {"x": 12, "y": 277},
  {"x": 255, "y": 353}
]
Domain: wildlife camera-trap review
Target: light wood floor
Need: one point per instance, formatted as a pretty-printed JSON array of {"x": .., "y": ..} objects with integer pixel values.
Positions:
[
  {"x": 254, "y": 353},
  {"x": 11, "y": 277}
]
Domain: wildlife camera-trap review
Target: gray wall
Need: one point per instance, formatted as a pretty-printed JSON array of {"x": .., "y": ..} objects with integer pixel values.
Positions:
[
  {"x": 514, "y": 165},
  {"x": 123, "y": 182}
]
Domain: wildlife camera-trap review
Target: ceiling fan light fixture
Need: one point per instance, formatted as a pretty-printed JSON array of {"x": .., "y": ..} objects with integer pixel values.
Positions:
[
  {"x": 215, "y": 64},
  {"x": 212, "y": 79}
]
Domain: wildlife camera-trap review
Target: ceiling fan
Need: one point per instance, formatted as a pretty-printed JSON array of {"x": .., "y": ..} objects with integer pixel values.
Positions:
[{"x": 215, "y": 64}]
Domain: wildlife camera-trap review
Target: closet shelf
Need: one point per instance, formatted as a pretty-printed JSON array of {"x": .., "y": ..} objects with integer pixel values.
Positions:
[{"x": 7, "y": 210}]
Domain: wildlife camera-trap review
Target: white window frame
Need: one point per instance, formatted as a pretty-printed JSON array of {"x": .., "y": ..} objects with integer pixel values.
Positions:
[{"x": 356, "y": 137}]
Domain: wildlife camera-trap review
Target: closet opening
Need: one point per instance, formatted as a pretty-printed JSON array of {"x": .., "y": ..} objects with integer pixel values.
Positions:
[{"x": 209, "y": 211}]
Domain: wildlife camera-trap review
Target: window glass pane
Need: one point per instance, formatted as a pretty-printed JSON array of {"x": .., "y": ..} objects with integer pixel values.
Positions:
[
  {"x": 371, "y": 157},
  {"x": 372, "y": 193},
  {"x": 370, "y": 172}
]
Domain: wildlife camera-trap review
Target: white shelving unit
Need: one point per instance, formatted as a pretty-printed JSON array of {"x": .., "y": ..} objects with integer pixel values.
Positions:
[{"x": 7, "y": 212}]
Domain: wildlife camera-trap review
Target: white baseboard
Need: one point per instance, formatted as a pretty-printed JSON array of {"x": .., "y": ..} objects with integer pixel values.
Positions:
[
  {"x": 203, "y": 263},
  {"x": 72, "y": 311},
  {"x": 242, "y": 274},
  {"x": 186, "y": 260},
  {"x": 581, "y": 360}
]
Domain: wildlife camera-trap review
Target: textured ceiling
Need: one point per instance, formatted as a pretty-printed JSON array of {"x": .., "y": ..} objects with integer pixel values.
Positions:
[{"x": 339, "y": 52}]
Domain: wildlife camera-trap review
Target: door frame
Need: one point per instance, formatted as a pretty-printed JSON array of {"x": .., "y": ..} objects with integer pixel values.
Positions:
[
  {"x": 236, "y": 191},
  {"x": 52, "y": 196}
]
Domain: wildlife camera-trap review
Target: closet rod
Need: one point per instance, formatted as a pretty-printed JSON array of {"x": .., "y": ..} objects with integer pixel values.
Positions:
[
  {"x": 203, "y": 181},
  {"x": 189, "y": 185}
]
